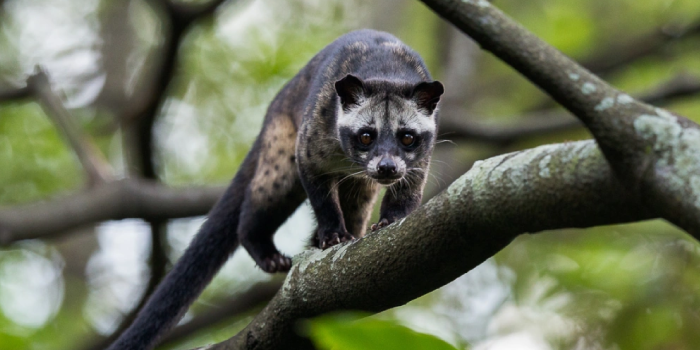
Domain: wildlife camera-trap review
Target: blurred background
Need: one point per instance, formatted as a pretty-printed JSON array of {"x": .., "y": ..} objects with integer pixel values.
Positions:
[{"x": 177, "y": 92}]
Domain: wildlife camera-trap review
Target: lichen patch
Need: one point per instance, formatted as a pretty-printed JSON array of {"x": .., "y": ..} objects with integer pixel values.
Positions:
[
  {"x": 287, "y": 285},
  {"x": 544, "y": 166},
  {"x": 695, "y": 187},
  {"x": 660, "y": 130},
  {"x": 624, "y": 99},
  {"x": 588, "y": 88},
  {"x": 677, "y": 151},
  {"x": 340, "y": 253},
  {"x": 480, "y": 3},
  {"x": 605, "y": 104},
  {"x": 311, "y": 256}
]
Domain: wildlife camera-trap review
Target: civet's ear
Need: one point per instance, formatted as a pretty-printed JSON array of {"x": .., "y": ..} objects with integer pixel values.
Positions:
[
  {"x": 351, "y": 90},
  {"x": 427, "y": 95}
]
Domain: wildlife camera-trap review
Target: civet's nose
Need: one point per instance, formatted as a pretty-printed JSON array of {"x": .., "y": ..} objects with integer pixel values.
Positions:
[{"x": 386, "y": 167}]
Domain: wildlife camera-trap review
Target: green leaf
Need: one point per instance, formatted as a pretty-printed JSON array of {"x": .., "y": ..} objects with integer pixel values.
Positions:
[{"x": 347, "y": 332}]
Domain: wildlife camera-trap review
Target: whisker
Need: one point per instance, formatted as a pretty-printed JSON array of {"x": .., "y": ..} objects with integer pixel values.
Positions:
[
  {"x": 447, "y": 133},
  {"x": 345, "y": 178},
  {"x": 338, "y": 171},
  {"x": 443, "y": 141},
  {"x": 442, "y": 162}
]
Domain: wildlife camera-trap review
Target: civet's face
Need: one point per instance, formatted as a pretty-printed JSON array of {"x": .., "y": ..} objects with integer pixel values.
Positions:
[{"x": 390, "y": 133}]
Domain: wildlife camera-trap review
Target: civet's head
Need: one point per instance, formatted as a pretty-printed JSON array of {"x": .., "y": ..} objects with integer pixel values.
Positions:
[{"x": 387, "y": 126}]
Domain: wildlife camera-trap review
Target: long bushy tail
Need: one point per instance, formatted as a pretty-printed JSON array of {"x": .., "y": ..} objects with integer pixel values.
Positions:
[{"x": 208, "y": 251}]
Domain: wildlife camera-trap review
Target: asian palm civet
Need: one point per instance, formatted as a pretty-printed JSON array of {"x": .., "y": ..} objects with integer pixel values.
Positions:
[{"x": 360, "y": 115}]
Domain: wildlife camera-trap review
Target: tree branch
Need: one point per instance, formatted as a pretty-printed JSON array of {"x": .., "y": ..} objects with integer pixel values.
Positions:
[
  {"x": 188, "y": 13},
  {"x": 95, "y": 165},
  {"x": 7, "y": 95},
  {"x": 549, "y": 187},
  {"x": 179, "y": 17},
  {"x": 655, "y": 153},
  {"x": 111, "y": 201}
]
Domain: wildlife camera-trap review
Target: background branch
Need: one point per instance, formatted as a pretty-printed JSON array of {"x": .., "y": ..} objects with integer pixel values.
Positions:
[
  {"x": 157, "y": 263},
  {"x": 455, "y": 126},
  {"x": 116, "y": 200},
  {"x": 139, "y": 125},
  {"x": 682, "y": 85},
  {"x": 242, "y": 303},
  {"x": 619, "y": 56},
  {"x": 139, "y": 135},
  {"x": 543, "y": 123},
  {"x": 7, "y": 95},
  {"x": 93, "y": 162}
]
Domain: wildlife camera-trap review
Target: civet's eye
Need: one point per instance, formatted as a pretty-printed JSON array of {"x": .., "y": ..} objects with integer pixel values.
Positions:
[
  {"x": 365, "y": 138},
  {"x": 407, "y": 139}
]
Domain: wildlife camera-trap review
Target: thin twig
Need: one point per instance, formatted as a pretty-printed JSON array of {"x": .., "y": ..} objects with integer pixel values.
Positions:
[
  {"x": 682, "y": 85},
  {"x": 157, "y": 263},
  {"x": 619, "y": 56},
  {"x": 93, "y": 161},
  {"x": 240, "y": 304},
  {"x": 236, "y": 305},
  {"x": 455, "y": 126},
  {"x": 544, "y": 123}
]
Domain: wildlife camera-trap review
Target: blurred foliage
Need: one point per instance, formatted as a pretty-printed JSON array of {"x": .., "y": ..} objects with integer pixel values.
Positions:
[
  {"x": 631, "y": 286},
  {"x": 35, "y": 161},
  {"x": 349, "y": 332}
]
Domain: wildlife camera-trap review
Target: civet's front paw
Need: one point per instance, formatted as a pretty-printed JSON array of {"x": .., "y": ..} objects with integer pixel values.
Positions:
[{"x": 382, "y": 223}]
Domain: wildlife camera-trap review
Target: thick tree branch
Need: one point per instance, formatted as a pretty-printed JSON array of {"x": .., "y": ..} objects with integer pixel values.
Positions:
[
  {"x": 95, "y": 165},
  {"x": 111, "y": 201},
  {"x": 554, "y": 186},
  {"x": 654, "y": 152}
]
